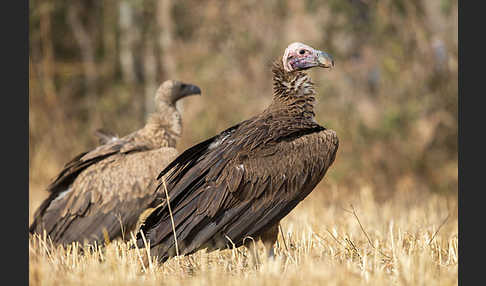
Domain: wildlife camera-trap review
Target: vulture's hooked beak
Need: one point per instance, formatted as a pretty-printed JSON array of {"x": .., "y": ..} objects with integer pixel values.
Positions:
[
  {"x": 325, "y": 60},
  {"x": 189, "y": 89}
]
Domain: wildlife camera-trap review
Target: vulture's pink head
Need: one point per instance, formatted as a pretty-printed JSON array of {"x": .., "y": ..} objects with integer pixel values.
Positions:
[{"x": 300, "y": 56}]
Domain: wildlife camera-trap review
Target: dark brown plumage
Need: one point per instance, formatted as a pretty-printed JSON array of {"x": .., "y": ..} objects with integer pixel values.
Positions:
[
  {"x": 243, "y": 181},
  {"x": 101, "y": 193}
]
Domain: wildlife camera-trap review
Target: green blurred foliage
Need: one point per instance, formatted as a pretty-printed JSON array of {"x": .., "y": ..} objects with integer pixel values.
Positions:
[{"x": 392, "y": 97}]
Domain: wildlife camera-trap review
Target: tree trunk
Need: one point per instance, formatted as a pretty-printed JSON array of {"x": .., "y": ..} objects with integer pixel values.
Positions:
[
  {"x": 164, "y": 23},
  {"x": 47, "y": 55},
  {"x": 127, "y": 41},
  {"x": 87, "y": 47},
  {"x": 150, "y": 75}
]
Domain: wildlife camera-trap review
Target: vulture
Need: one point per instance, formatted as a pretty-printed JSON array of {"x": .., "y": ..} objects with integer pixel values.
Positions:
[
  {"x": 100, "y": 194},
  {"x": 243, "y": 181}
]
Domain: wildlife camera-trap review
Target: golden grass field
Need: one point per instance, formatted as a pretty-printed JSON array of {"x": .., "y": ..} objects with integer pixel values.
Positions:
[{"x": 334, "y": 237}]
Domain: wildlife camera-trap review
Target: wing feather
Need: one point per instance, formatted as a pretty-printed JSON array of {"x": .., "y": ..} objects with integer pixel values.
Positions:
[
  {"x": 107, "y": 196},
  {"x": 219, "y": 190}
]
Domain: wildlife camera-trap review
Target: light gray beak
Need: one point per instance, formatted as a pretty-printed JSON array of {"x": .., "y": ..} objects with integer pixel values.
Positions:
[{"x": 325, "y": 60}]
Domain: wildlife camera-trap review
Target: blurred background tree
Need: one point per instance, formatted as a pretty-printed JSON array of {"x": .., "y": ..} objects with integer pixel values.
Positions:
[{"x": 392, "y": 97}]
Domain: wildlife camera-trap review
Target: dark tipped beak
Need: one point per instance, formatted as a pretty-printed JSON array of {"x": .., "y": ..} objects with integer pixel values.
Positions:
[
  {"x": 189, "y": 89},
  {"x": 325, "y": 60}
]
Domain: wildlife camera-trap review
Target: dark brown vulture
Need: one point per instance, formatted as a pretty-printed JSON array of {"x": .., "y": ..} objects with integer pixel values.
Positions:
[
  {"x": 101, "y": 193},
  {"x": 243, "y": 181}
]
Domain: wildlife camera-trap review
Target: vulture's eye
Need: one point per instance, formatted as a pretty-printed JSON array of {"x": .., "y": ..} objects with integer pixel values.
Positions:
[{"x": 302, "y": 52}]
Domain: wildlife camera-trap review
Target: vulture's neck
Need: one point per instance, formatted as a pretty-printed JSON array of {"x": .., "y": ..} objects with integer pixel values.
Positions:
[
  {"x": 293, "y": 92},
  {"x": 164, "y": 127}
]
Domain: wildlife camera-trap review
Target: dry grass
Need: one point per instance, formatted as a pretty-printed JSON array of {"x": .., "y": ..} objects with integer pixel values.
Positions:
[{"x": 334, "y": 237}]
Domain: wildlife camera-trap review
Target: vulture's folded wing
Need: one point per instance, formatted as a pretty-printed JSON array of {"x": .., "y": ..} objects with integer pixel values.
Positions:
[
  {"x": 106, "y": 199},
  {"x": 222, "y": 189}
]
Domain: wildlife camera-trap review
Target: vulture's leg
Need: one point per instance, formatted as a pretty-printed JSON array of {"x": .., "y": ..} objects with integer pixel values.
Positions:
[{"x": 269, "y": 238}]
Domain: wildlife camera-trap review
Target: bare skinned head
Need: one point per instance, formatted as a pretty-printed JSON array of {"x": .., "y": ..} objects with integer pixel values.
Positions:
[{"x": 299, "y": 56}]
